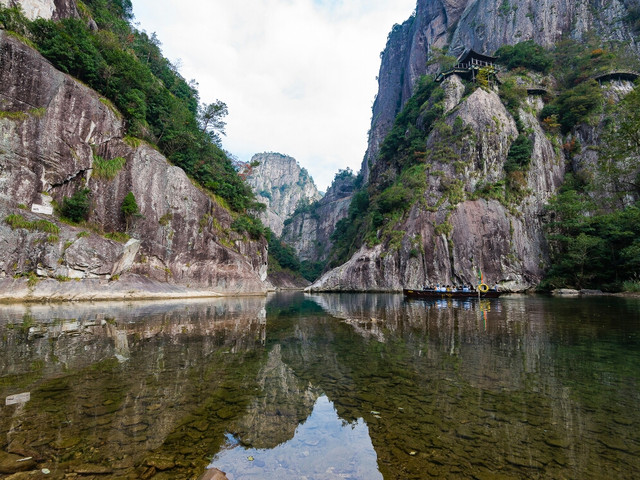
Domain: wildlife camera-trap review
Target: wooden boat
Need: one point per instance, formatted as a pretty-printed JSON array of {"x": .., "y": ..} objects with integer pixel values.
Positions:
[{"x": 452, "y": 294}]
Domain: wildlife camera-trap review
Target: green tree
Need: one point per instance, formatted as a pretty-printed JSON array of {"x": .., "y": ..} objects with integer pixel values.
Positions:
[
  {"x": 129, "y": 208},
  {"x": 211, "y": 119},
  {"x": 519, "y": 154},
  {"x": 525, "y": 54},
  {"x": 128, "y": 68},
  {"x": 574, "y": 106},
  {"x": 76, "y": 207},
  {"x": 619, "y": 165}
]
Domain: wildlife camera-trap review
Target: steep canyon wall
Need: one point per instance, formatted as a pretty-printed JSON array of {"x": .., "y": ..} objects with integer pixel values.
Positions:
[{"x": 52, "y": 131}]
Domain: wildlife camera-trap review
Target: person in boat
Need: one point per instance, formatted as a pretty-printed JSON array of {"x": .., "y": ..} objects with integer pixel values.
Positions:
[
  {"x": 495, "y": 288},
  {"x": 465, "y": 288}
]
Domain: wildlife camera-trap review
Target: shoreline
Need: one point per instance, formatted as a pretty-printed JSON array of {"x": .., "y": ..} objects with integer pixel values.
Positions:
[
  {"x": 127, "y": 288},
  {"x": 138, "y": 288}
]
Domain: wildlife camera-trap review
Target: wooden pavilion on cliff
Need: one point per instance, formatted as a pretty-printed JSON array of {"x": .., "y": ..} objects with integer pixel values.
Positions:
[{"x": 469, "y": 64}]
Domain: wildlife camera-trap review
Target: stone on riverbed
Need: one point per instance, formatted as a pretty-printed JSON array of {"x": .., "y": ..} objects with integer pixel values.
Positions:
[
  {"x": 213, "y": 474},
  {"x": 565, "y": 292},
  {"x": 10, "y": 463}
]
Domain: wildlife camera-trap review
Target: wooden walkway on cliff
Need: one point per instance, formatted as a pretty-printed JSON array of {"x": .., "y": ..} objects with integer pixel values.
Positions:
[
  {"x": 628, "y": 75},
  {"x": 469, "y": 64}
]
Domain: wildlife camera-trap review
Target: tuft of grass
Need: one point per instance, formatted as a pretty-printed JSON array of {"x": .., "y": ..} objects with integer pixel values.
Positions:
[
  {"x": 631, "y": 286},
  {"x": 117, "y": 236},
  {"x": 17, "y": 116},
  {"x": 133, "y": 142},
  {"x": 22, "y": 206},
  {"x": 110, "y": 106},
  {"x": 46, "y": 226},
  {"x": 82, "y": 234},
  {"x": 32, "y": 278},
  {"x": 20, "y": 116},
  {"x": 107, "y": 169},
  {"x": 18, "y": 221},
  {"x": 22, "y": 38},
  {"x": 38, "y": 112},
  {"x": 165, "y": 219}
]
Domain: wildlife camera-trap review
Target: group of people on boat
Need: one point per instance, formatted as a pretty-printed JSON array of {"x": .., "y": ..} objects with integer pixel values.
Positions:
[{"x": 458, "y": 288}]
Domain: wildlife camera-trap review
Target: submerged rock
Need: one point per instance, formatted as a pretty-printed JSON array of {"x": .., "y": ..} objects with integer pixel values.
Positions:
[
  {"x": 565, "y": 292},
  {"x": 213, "y": 474},
  {"x": 10, "y": 463}
]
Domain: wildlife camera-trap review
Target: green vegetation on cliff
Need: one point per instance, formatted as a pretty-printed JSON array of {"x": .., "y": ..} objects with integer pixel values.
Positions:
[
  {"x": 398, "y": 176},
  {"x": 594, "y": 220},
  {"x": 128, "y": 68},
  {"x": 283, "y": 257},
  {"x": 526, "y": 55},
  {"x": 593, "y": 235},
  {"x": 595, "y": 232}
]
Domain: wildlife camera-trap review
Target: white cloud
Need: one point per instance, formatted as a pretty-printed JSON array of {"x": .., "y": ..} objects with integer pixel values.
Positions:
[{"x": 298, "y": 76}]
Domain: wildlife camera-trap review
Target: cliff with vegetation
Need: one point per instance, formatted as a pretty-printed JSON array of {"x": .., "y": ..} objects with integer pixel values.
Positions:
[
  {"x": 310, "y": 229},
  {"x": 282, "y": 185},
  {"x": 116, "y": 180},
  {"x": 445, "y": 28},
  {"x": 526, "y": 177}
]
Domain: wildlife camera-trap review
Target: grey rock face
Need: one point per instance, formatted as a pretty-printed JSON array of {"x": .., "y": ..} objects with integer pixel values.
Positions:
[
  {"x": 47, "y": 144},
  {"x": 484, "y": 25},
  {"x": 47, "y": 9},
  {"x": 280, "y": 183},
  {"x": 507, "y": 244},
  {"x": 310, "y": 233}
]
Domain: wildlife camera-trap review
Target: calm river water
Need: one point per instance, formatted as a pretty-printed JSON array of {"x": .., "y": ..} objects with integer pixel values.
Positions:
[{"x": 334, "y": 386}]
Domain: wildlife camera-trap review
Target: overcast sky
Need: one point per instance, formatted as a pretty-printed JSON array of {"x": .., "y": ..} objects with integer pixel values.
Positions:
[{"x": 298, "y": 76}]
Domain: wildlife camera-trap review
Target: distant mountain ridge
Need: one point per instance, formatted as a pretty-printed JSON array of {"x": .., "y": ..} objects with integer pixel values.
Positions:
[{"x": 282, "y": 185}]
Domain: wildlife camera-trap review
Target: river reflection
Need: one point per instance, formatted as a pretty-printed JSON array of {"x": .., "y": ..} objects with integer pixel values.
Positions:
[
  {"x": 323, "y": 444},
  {"x": 323, "y": 386}
]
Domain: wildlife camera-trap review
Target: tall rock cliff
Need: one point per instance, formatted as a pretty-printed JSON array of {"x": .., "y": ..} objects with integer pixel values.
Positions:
[
  {"x": 53, "y": 131},
  {"x": 451, "y": 203},
  {"x": 474, "y": 212},
  {"x": 482, "y": 25},
  {"x": 309, "y": 232},
  {"x": 279, "y": 182}
]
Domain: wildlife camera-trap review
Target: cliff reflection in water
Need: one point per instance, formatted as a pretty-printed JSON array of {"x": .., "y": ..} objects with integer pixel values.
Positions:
[
  {"x": 127, "y": 389},
  {"x": 521, "y": 387},
  {"x": 518, "y": 387}
]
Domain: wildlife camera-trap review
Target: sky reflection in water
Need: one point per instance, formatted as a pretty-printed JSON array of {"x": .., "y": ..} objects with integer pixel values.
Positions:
[{"x": 323, "y": 447}]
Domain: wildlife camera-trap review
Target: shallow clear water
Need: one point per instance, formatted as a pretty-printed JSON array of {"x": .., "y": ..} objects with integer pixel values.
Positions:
[{"x": 324, "y": 386}]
